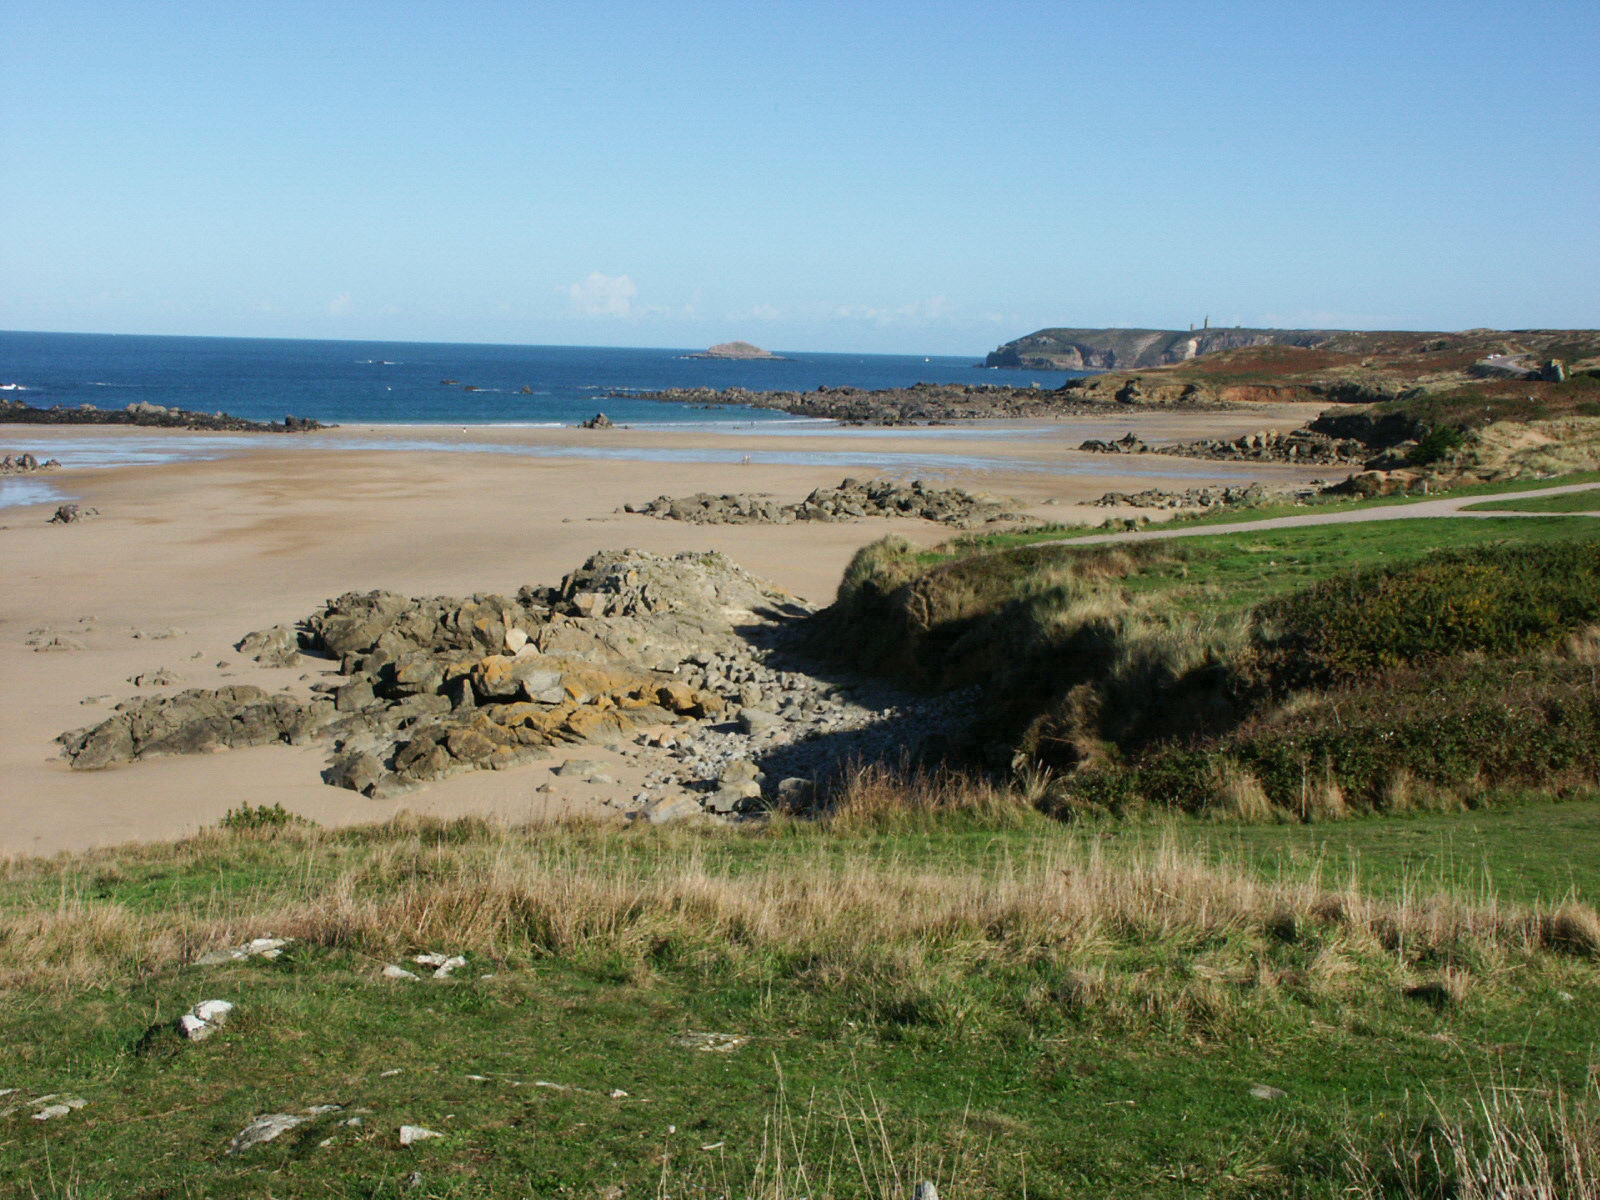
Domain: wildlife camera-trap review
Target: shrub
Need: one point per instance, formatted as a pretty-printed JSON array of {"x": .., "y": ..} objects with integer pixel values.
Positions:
[
  {"x": 251, "y": 818},
  {"x": 1435, "y": 445},
  {"x": 1430, "y": 733},
  {"x": 1494, "y": 600}
]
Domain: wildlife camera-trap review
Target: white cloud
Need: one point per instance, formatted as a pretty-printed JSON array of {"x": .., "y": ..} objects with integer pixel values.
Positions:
[
  {"x": 766, "y": 312},
  {"x": 918, "y": 312},
  {"x": 603, "y": 295},
  {"x": 339, "y": 306}
]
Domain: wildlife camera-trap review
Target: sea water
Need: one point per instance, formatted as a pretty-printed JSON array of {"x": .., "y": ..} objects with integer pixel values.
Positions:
[{"x": 403, "y": 382}]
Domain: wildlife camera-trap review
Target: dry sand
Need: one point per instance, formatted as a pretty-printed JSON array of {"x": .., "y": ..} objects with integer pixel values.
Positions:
[{"x": 215, "y": 549}]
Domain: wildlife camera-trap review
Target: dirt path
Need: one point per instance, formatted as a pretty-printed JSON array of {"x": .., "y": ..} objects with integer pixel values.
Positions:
[{"x": 1447, "y": 507}]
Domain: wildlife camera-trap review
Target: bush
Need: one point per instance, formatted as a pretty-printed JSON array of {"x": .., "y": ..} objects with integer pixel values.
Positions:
[
  {"x": 251, "y": 818},
  {"x": 1435, "y": 445},
  {"x": 1409, "y": 736},
  {"x": 1494, "y": 600}
]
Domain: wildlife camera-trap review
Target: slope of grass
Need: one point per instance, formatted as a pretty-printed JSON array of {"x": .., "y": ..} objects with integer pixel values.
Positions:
[
  {"x": 987, "y": 1000},
  {"x": 1569, "y": 502},
  {"x": 1232, "y": 515}
]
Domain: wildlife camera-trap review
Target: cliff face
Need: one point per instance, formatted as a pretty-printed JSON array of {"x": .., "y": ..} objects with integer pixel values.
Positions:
[{"x": 1125, "y": 349}]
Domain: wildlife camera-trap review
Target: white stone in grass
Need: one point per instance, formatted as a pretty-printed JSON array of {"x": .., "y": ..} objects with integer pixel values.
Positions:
[
  {"x": 444, "y": 964},
  {"x": 1262, "y": 1091},
  {"x": 261, "y": 947},
  {"x": 714, "y": 1043},
  {"x": 63, "y": 1106},
  {"x": 394, "y": 972},
  {"x": 410, "y": 1135},
  {"x": 264, "y": 1129},
  {"x": 925, "y": 1191},
  {"x": 204, "y": 1019}
]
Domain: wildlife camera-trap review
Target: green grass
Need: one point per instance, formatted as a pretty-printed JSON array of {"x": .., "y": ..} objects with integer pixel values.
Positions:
[
  {"x": 1235, "y": 571},
  {"x": 1533, "y": 852},
  {"x": 1571, "y": 502},
  {"x": 1261, "y": 512},
  {"x": 992, "y": 1082}
]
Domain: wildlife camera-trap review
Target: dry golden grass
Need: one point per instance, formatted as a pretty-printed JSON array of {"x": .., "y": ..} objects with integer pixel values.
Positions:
[
  {"x": 1512, "y": 1143},
  {"x": 1240, "y": 796},
  {"x": 1157, "y": 934},
  {"x": 878, "y": 796}
]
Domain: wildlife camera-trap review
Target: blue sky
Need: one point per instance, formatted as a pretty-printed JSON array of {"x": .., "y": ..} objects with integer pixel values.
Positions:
[{"x": 930, "y": 177}]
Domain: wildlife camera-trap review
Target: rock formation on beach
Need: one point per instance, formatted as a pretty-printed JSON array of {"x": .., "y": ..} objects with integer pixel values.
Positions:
[
  {"x": 158, "y": 416},
  {"x": 675, "y": 654},
  {"x": 930, "y": 403},
  {"x": 741, "y": 350},
  {"x": 27, "y": 464},
  {"x": 852, "y": 500}
]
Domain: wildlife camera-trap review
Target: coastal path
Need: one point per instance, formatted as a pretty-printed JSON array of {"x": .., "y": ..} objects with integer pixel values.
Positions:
[{"x": 1449, "y": 506}]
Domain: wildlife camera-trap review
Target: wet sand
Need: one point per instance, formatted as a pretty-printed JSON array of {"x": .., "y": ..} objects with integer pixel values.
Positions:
[{"x": 217, "y": 548}]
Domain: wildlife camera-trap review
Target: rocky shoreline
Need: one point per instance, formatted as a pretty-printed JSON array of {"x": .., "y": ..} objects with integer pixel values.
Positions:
[
  {"x": 852, "y": 500},
  {"x": 687, "y": 666},
  {"x": 928, "y": 403},
  {"x": 1306, "y": 445},
  {"x": 15, "y": 412}
]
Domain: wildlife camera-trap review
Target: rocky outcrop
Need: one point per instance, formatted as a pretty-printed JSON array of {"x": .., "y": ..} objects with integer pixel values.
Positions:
[
  {"x": 852, "y": 500},
  {"x": 1305, "y": 445},
  {"x": 1202, "y": 497},
  {"x": 598, "y": 421},
  {"x": 71, "y": 514},
  {"x": 933, "y": 403},
  {"x": 154, "y": 415},
  {"x": 739, "y": 350},
  {"x": 27, "y": 464},
  {"x": 191, "y": 722},
  {"x": 682, "y": 665},
  {"x": 1113, "y": 349},
  {"x": 436, "y": 685}
]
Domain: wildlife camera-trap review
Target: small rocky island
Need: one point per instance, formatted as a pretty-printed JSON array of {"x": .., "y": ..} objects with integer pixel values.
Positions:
[{"x": 739, "y": 350}]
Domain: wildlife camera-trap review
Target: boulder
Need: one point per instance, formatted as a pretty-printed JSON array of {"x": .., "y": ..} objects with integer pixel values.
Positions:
[
  {"x": 355, "y": 696},
  {"x": 671, "y": 808},
  {"x": 758, "y": 720},
  {"x": 278, "y": 646},
  {"x": 189, "y": 722},
  {"x": 358, "y": 770}
]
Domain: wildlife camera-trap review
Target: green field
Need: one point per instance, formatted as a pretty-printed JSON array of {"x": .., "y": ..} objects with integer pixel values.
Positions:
[
  {"x": 909, "y": 1010},
  {"x": 1570, "y": 502},
  {"x": 1232, "y": 515}
]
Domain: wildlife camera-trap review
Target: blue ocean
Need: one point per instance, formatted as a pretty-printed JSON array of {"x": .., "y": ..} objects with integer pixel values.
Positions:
[{"x": 403, "y": 382}]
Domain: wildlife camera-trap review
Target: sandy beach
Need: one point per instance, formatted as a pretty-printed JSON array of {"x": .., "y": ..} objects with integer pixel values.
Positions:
[{"x": 188, "y": 556}]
